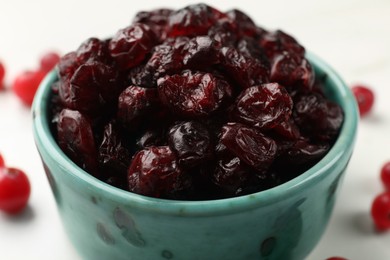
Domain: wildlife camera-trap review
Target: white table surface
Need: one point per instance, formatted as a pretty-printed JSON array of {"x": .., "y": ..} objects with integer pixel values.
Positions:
[{"x": 353, "y": 36}]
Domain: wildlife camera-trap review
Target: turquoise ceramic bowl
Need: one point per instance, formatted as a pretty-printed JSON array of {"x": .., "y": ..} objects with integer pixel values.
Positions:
[{"x": 284, "y": 222}]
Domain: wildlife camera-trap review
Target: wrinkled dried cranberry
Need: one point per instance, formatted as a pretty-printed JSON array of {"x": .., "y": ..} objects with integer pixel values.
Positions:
[
  {"x": 263, "y": 106},
  {"x": 245, "y": 25},
  {"x": 250, "y": 145},
  {"x": 135, "y": 102},
  {"x": 278, "y": 41},
  {"x": 191, "y": 143},
  {"x": 92, "y": 87},
  {"x": 250, "y": 48},
  {"x": 155, "y": 137},
  {"x": 224, "y": 32},
  {"x": 157, "y": 20},
  {"x": 75, "y": 137},
  {"x": 192, "y": 20},
  {"x": 113, "y": 155},
  {"x": 244, "y": 70},
  {"x": 287, "y": 129},
  {"x": 317, "y": 117},
  {"x": 130, "y": 45},
  {"x": 200, "y": 52},
  {"x": 193, "y": 94},
  {"x": 303, "y": 152},
  {"x": 155, "y": 172},
  {"x": 93, "y": 49},
  {"x": 67, "y": 65},
  {"x": 292, "y": 71}
]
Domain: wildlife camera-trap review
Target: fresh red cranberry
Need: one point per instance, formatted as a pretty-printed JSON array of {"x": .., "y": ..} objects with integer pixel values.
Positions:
[
  {"x": 380, "y": 211},
  {"x": 14, "y": 190},
  {"x": 365, "y": 99},
  {"x": 385, "y": 175},
  {"x": 26, "y": 84},
  {"x": 2, "y": 74},
  {"x": 336, "y": 258},
  {"x": 2, "y": 163},
  {"x": 49, "y": 61}
]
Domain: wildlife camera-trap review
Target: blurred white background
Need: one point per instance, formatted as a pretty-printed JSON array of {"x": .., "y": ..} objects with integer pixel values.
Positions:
[{"x": 351, "y": 35}]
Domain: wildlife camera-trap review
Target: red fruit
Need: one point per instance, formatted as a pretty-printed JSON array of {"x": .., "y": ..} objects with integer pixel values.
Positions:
[
  {"x": 2, "y": 164},
  {"x": 26, "y": 84},
  {"x": 14, "y": 190},
  {"x": 336, "y": 258},
  {"x": 364, "y": 97},
  {"x": 2, "y": 73},
  {"x": 385, "y": 175},
  {"x": 49, "y": 61},
  {"x": 380, "y": 211}
]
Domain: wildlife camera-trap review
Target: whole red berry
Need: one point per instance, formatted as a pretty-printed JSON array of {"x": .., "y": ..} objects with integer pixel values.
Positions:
[
  {"x": 2, "y": 73},
  {"x": 14, "y": 190},
  {"x": 365, "y": 99},
  {"x": 49, "y": 61},
  {"x": 385, "y": 175},
  {"x": 336, "y": 258},
  {"x": 2, "y": 164},
  {"x": 380, "y": 211},
  {"x": 26, "y": 84}
]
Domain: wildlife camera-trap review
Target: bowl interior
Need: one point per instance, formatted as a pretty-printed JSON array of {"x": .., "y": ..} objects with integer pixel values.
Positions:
[{"x": 336, "y": 89}]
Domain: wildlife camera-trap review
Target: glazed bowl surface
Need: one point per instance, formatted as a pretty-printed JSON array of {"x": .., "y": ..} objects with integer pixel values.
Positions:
[{"x": 285, "y": 222}]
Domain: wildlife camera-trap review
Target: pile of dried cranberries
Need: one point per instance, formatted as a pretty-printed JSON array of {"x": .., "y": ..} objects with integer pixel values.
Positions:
[{"x": 192, "y": 104}]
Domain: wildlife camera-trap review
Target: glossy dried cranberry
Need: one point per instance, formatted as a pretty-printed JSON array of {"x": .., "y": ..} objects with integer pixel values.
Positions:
[
  {"x": 130, "y": 45},
  {"x": 287, "y": 130},
  {"x": 250, "y": 145},
  {"x": 277, "y": 42},
  {"x": 292, "y": 71},
  {"x": 156, "y": 19},
  {"x": 244, "y": 70},
  {"x": 67, "y": 65},
  {"x": 250, "y": 48},
  {"x": 317, "y": 117},
  {"x": 113, "y": 155},
  {"x": 200, "y": 52},
  {"x": 135, "y": 102},
  {"x": 191, "y": 143},
  {"x": 155, "y": 172},
  {"x": 75, "y": 137},
  {"x": 93, "y": 49},
  {"x": 263, "y": 106},
  {"x": 245, "y": 25},
  {"x": 92, "y": 87},
  {"x": 304, "y": 152},
  {"x": 192, "y": 20},
  {"x": 154, "y": 137},
  {"x": 224, "y": 32},
  {"x": 193, "y": 94}
]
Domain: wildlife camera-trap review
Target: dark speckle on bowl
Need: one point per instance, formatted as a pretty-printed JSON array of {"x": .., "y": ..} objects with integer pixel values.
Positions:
[
  {"x": 267, "y": 246},
  {"x": 129, "y": 231},
  {"x": 94, "y": 200},
  {"x": 104, "y": 234},
  {"x": 167, "y": 254}
]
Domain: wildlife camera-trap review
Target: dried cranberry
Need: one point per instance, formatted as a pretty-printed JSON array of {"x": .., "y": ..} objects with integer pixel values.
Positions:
[
  {"x": 317, "y": 117},
  {"x": 287, "y": 129},
  {"x": 304, "y": 152},
  {"x": 193, "y": 94},
  {"x": 278, "y": 42},
  {"x": 93, "y": 49},
  {"x": 155, "y": 172},
  {"x": 250, "y": 145},
  {"x": 245, "y": 25},
  {"x": 135, "y": 102},
  {"x": 156, "y": 19},
  {"x": 191, "y": 143},
  {"x": 192, "y": 20},
  {"x": 75, "y": 137},
  {"x": 250, "y": 48},
  {"x": 263, "y": 106},
  {"x": 113, "y": 155},
  {"x": 92, "y": 87},
  {"x": 200, "y": 52},
  {"x": 155, "y": 137},
  {"x": 244, "y": 70},
  {"x": 67, "y": 65},
  {"x": 130, "y": 45}
]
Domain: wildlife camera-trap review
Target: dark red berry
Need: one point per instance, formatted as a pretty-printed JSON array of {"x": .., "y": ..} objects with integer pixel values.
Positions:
[
  {"x": 130, "y": 45},
  {"x": 157, "y": 20},
  {"x": 155, "y": 172},
  {"x": 2, "y": 163},
  {"x": 75, "y": 137},
  {"x": 193, "y": 94},
  {"x": 277, "y": 42},
  {"x": 263, "y": 106},
  {"x": 250, "y": 145},
  {"x": 67, "y": 65},
  {"x": 191, "y": 143},
  {"x": 26, "y": 84},
  {"x": 135, "y": 102},
  {"x": 2, "y": 74},
  {"x": 49, "y": 61},
  {"x": 364, "y": 98},
  {"x": 245, "y": 25},
  {"x": 14, "y": 190},
  {"x": 246, "y": 71},
  {"x": 385, "y": 175},
  {"x": 92, "y": 50},
  {"x": 336, "y": 258},
  {"x": 304, "y": 152},
  {"x": 200, "y": 52},
  {"x": 380, "y": 211},
  {"x": 287, "y": 130}
]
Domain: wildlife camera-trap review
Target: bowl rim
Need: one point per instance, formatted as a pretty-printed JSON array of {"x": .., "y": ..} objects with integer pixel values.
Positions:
[{"x": 341, "y": 148}]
